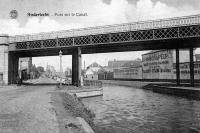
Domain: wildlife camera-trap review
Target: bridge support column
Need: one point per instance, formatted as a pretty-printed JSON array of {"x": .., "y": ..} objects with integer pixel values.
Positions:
[
  {"x": 191, "y": 67},
  {"x": 3, "y": 59},
  {"x": 13, "y": 65},
  {"x": 76, "y": 67},
  {"x": 177, "y": 67}
]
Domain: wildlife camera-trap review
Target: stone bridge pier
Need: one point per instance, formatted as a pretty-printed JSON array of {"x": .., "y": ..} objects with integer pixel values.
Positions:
[
  {"x": 3, "y": 59},
  {"x": 8, "y": 62}
]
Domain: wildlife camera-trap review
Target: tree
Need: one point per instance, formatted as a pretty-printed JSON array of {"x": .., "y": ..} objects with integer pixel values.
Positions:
[
  {"x": 40, "y": 69},
  {"x": 36, "y": 72}
]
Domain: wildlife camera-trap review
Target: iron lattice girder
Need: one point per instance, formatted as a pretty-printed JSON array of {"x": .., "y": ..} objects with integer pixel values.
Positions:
[
  {"x": 189, "y": 31},
  {"x": 102, "y": 38},
  {"x": 48, "y": 43},
  {"x": 120, "y": 37},
  {"x": 35, "y": 44},
  {"x": 142, "y": 35},
  {"x": 166, "y": 33},
  {"x": 21, "y": 45},
  {"x": 82, "y": 40},
  {"x": 63, "y": 42},
  {"x": 130, "y": 36}
]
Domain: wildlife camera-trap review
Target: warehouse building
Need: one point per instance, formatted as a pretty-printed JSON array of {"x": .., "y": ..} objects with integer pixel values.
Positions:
[
  {"x": 129, "y": 70},
  {"x": 161, "y": 64},
  {"x": 157, "y": 65}
]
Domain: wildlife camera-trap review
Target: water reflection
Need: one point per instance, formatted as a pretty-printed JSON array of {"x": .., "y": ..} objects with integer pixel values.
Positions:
[{"x": 126, "y": 109}]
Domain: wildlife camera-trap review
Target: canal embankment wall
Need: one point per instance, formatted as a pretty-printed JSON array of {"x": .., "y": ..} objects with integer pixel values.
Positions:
[
  {"x": 160, "y": 87},
  {"x": 137, "y": 84},
  {"x": 71, "y": 113}
]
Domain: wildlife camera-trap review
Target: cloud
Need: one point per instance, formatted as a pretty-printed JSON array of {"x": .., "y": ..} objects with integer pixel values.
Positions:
[
  {"x": 106, "y": 14},
  {"x": 34, "y": 25},
  {"x": 99, "y": 14},
  {"x": 180, "y": 4},
  {"x": 102, "y": 12},
  {"x": 46, "y": 24},
  {"x": 148, "y": 10},
  {"x": 107, "y": 1}
]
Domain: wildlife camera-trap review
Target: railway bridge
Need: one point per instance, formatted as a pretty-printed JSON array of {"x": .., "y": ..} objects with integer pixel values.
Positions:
[{"x": 173, "y": 33}]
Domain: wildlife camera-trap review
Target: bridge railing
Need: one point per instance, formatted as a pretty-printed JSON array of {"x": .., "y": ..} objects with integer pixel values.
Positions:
[{"x": 144, "y": 25}]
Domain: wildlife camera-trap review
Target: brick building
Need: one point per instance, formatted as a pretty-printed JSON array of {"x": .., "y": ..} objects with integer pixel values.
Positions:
[{"x": 129, "y": 70}]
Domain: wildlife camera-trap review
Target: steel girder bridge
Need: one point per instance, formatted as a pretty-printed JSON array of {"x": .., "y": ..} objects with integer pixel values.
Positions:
[{"x": 173, "y": 33}]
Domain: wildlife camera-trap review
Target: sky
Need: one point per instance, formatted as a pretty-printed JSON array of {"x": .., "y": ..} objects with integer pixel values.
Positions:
[{"x": 99, "y": 12}]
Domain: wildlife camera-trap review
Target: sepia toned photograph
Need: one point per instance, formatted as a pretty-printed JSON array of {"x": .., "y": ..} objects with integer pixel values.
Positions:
[{"x": 100, "y": 66}]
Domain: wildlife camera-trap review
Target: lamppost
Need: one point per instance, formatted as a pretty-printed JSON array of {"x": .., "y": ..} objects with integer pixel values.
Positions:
[
  {"x": 20, "y": 69},
  {"x": 20, "y": 72},
  {"x": 60, "y": 54}
]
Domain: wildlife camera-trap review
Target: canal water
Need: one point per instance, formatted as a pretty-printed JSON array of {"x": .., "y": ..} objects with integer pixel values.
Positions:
[{"x": 129, "y": 110}]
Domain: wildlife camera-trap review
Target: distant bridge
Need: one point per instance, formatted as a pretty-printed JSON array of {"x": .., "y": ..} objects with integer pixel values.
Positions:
[{"x": 173, "y": 33}]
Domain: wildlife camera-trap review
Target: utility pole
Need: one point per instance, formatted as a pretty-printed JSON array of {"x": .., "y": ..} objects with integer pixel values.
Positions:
[{"x": 60, "y": 54}]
